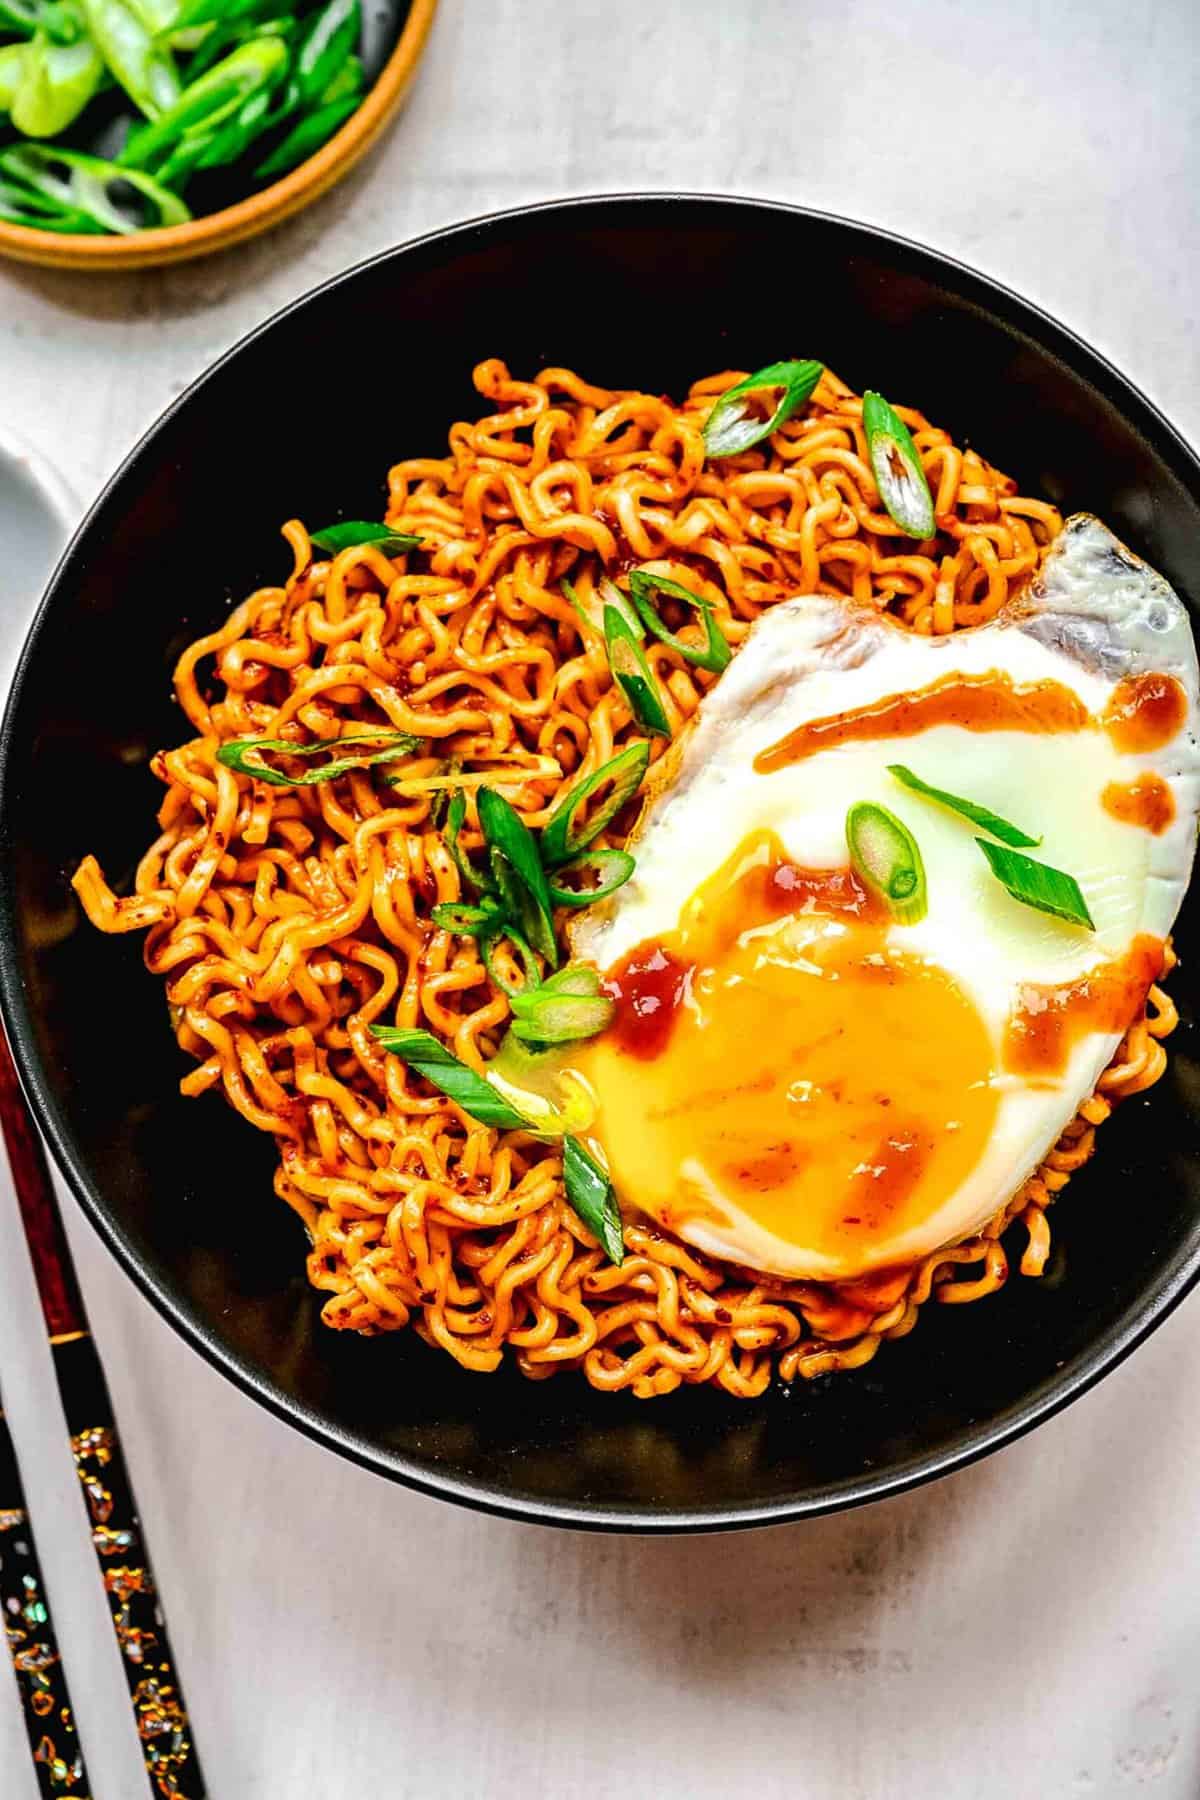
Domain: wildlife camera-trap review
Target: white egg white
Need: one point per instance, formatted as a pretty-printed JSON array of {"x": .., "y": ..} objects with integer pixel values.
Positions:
[{"x": 1095, "y": 615}]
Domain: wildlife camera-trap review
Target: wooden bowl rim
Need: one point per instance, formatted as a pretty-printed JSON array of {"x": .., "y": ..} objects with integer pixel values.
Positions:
[{"x": 245, "y": 219}]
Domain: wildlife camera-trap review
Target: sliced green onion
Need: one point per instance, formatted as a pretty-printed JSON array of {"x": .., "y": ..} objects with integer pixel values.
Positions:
[
  {"x": 897, "y": 468},
  {"x": 609, "y": 594},
  {"x": 733, "y": 427},
  {"x": 346, "y": 84},
  {"x": 44, "y": 213},
  {"x": 507, "y": 885},
  {"x": 144, "y": 68},
  {"x": 590, "y": 1193},
  {"x": 518, "y": 871},
  {"x": 429, "y": 1057},
  {"x": 238, "y": 754},
  {"x": 632, "y": 673},
  {"x": 13, "y": 62},
  {"x": 605, "y": 593},
  {"x": 224, "y": 143},
  {"x": 468, "y": 921},
  {"x": 978, "y": 815},
  {"x": 61, "y": 20},
  {"x": 57, "y": 81},
  {"x": 86, "y": 188},
  {"x": 551, "y": 1096},
  {"x": 20, "y": 16},
  {"x": 488, "y": 923},
  {"x": 562, "y": 836},
  {"x": 563, "y": 1009},
  {"x": 520, "y": 915},
  {"x": 714, "y": 654},
  {"x": 592, "y": 624},
  {"x": 438, "y": 810},
  {"x": 158, "y": 16},
  {"x": 470, "y": 876},
  {"x": 352, "y": 532},
  {"x": 208, "y": 102},
  {"x": 215, "y": 39},
  {"x": 509, "y": 934},
  {"x": 328, "y": 39},
  {"x": 1037, "y": 884},
  {"x": 222, "y": 12},
  {"x": 884, "y": 853},
  {"x": 301, "y": 141},
  {"x": 608, "y": 869}
]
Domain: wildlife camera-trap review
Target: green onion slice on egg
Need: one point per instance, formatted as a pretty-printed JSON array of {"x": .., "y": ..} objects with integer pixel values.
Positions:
[
  {"x": 1038, "y": 884},
  {"x": 884, "y": 854},
  {"x": 969, "y": 809}
]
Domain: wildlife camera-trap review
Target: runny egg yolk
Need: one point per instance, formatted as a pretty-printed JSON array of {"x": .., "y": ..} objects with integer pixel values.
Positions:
[{"x": 777, "y": 1052}]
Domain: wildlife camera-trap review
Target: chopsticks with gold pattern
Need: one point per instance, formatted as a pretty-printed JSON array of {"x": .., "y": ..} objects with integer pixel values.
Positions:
[
  {"x": 168, "y": 1751},
  {"x": 37, "y": 1664}
]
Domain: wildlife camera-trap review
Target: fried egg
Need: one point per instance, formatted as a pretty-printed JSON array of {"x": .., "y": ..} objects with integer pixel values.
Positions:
[{"x": 794, "y": 1080}]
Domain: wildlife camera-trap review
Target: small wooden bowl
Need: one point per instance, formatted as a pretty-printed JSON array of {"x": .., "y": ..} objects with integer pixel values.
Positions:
[{"x": 216, "y": 231}]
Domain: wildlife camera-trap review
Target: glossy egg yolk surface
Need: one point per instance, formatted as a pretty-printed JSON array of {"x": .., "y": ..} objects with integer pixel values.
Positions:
[{"x": 779, "y": 1048}]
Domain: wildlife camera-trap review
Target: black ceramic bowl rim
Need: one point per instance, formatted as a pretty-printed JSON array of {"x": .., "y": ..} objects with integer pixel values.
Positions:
[{"x": 1173, "y": 1280}]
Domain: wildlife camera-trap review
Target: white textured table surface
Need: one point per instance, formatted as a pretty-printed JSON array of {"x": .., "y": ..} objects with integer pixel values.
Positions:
[{"x": 1030, "y": 1627}]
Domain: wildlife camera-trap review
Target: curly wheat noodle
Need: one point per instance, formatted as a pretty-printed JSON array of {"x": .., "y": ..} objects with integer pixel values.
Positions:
[{"x": 286, "y": 920}]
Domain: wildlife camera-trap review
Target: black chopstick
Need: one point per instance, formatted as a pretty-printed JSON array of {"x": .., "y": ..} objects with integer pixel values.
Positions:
[
  {"x": 37, "y": 1665},
  {"x": 172, "y": 1766}
]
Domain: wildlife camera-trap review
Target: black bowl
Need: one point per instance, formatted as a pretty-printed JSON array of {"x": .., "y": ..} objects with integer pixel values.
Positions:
[{"x": 304, "y": 417}]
